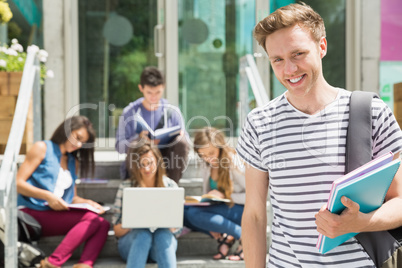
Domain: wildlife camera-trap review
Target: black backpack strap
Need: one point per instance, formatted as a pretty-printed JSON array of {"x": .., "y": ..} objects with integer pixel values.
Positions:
[
  {"x": 378, "y": 245},
  {"x": 359, "y": 136}
]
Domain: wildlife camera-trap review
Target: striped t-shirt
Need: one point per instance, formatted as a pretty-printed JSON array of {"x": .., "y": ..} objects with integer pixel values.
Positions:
[{"x": 303, "y": 154}]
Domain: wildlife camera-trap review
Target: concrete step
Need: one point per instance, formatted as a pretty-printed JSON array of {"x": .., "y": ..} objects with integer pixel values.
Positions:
[
  {"x": 105, "y": 192},
  {"x": 190, "y": 244},
  {"x": 107, "y": 170},
  {"x": 108, "y": 165},
  {"x": 192, "y": 186},
  {"x": 194, "y": 250},
  {"x": 99, "y": 192},
  {"x": 182, "y": 262}
]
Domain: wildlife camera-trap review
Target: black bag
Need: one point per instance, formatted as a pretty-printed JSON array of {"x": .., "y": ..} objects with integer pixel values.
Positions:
[
  {"x": 29, "y": 231},
  {"x": 383, "y": 247},
  {"x": 29, "y": 255}
]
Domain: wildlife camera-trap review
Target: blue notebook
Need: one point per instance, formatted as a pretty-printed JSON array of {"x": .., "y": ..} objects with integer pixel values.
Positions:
[
  {"x": 368, "y": 190},
  {"x": 164, "y": 135},
  {"x": 372, "y": 165}
]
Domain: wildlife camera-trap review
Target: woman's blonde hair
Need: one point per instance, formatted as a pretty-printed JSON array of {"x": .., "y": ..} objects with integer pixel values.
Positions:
[
  {"x": 133, "y": 164},
  {"x": 209, "y": 135}
]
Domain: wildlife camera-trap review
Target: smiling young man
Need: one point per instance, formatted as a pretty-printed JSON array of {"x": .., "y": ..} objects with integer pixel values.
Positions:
[
  {"x": 158, "y": 113},
  {"x": 295, "y": 147}
]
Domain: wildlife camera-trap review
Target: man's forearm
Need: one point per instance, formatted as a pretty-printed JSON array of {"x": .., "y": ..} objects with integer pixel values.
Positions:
[
  {"x": 254, "y": 239},
  {"x": 387, "y": 217}
]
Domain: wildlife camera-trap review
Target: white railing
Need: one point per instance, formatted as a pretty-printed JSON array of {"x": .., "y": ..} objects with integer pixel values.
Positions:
[
  {"x": 8, "y": 170},
  {"x": 249, "y": 75}
]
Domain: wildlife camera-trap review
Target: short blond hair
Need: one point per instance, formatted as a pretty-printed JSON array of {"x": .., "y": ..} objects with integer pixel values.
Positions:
[{"x": 287, "y": 16}]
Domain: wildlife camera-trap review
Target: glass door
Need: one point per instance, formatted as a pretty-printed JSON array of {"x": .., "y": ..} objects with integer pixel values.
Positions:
[
  {"x": 212, "y": 36},
  {"x": 196, "y": 43},
  {"x": 116, "y": 41},
  {"x": 333, "y": 13}
]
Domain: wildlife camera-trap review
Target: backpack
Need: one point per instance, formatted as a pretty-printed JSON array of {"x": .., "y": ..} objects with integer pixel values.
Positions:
[
  {"x": 29, "y": 231},
  {"x": 29, "y": 255},
  {"x": 383, "y": 247}
]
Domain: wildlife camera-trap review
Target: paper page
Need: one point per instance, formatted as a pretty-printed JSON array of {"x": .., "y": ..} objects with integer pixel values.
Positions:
[{"x": 87, "y": 207}]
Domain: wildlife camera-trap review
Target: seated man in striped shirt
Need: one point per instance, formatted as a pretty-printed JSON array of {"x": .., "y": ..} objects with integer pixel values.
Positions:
[{"x": 295, "y": 145}]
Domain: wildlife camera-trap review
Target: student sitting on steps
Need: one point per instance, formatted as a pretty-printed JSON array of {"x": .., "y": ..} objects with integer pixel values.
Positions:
[
  {"x": 136, "y": 246},
  {"x": 46, "y": 185},
  {"x": 223, "y": 177},
  {"x": 158, "y": 114}
]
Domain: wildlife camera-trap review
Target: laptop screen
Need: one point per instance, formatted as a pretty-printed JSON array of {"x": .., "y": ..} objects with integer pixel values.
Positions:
[{"x": 152, "y": 207}]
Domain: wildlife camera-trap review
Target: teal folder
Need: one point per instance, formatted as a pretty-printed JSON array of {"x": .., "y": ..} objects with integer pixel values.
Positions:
[{"x": 368, "y": 190}]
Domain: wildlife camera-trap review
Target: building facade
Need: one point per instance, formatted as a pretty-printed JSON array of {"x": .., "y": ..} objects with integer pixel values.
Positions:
[{"x": 97, "y": 49}]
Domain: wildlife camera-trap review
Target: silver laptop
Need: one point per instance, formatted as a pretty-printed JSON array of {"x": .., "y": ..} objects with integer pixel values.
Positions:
[{"x": 152, "y": 207}]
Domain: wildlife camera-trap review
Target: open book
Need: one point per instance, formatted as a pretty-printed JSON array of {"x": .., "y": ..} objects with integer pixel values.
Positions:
[
  {"x": 367, "y": 186},
  {"x": 165, "y": 135},
  {"x": 86, "y": 206},
  {"x": 203, "y": 200},
  {"x": 92, "y": 181}
]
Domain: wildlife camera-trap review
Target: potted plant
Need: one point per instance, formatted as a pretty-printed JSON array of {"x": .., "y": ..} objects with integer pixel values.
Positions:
[{"x": 12, "y": 61}]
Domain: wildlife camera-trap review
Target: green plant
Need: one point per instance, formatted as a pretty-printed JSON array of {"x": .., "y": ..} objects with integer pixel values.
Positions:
[
  {"x": 12, "y": 59},
  {"x": 14, "y": 31},
  {"x": 5, "y": 12}
]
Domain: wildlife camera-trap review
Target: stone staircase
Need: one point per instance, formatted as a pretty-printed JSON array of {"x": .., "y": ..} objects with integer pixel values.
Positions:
[{"x": 194, "y": 249}]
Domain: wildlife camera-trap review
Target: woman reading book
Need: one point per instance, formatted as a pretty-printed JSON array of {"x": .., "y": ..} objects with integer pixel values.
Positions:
[
  {"x": 46, "y": 186},
  {"x": 135, "y": 245},
  {"x": 223, "y": 177}
]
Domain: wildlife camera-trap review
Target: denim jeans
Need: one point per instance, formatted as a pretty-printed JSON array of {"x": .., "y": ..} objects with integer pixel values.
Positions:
[
  {"x": 217, "y": 218},
  {"x": 138, "y": 244}
]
